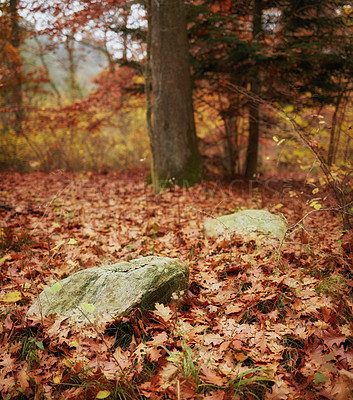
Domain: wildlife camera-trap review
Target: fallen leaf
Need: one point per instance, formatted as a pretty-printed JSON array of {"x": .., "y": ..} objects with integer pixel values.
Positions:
[
  {"x": 23, "y": 378},
  {"x": 233, "y": 308},
  {"x": 158, "y": 339},
  {"x": 163, "y": 311},
  {"x": 12, "y": 297},
  {"x": 87, "y": 307},
  {"x": 103, "y": 394},
  {"x": 3, "y": 259},
  {"x": 213, "y": 339},
  {"x": 56, "y": 287},
  {"x": 211, "y": 377}
]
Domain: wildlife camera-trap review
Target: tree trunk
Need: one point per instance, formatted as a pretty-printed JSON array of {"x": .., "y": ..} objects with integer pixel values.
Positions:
[
  {"x": 254, "y": 111},
  {"x": 16, "y": 64},
  {"x": 174, "y": 142}
]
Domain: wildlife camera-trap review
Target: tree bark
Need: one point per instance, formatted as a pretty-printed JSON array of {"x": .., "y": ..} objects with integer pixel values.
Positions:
[
  {"x": 174, "y": 142},
  {"x": 254, "y": 106},
  {"x": 16, "y": 64}
]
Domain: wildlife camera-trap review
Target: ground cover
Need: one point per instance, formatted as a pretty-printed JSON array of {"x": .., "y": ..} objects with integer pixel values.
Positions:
[{"x": 258, "y": 322}]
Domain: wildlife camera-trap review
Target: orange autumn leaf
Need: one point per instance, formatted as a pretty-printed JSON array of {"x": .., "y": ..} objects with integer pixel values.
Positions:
[
  {"x": 159, "y": 339},
  {"x": 23, "y": 378},
  {"x": 211, "y": 377},
  {"x": 233, "y": 308}
]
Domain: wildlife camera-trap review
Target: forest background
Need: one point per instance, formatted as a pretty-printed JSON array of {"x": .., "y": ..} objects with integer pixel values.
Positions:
[
  {"x": 73, "y": 84},
  {"x": 254, "y": 110}
]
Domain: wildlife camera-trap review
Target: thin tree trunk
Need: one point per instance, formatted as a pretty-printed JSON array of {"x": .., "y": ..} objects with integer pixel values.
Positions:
[
  {"x": 254, "y": 106},
  {"x": 148, "y": 83},
  {"x": 17, "y": 95}
]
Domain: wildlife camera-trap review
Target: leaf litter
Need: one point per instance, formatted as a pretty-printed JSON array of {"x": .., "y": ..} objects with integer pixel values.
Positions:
[{"x": 258, "y": 322}]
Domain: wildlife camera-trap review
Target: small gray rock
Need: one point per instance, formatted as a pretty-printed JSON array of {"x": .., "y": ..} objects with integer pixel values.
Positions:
[
  {"x": 248, "y": 224},
  {"x": 115, "y": 289}
]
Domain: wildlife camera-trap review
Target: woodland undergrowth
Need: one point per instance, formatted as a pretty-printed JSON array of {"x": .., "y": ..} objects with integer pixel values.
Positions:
[{"x": 258, "y": 322}]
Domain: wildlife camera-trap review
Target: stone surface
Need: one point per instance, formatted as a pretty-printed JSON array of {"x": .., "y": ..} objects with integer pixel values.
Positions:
[
  {"x": 248, "y": 224},
  {"x": 115, "y": 289}
]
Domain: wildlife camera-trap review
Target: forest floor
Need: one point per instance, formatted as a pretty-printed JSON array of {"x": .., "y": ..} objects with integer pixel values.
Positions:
[{"x": 259, "y": 321}]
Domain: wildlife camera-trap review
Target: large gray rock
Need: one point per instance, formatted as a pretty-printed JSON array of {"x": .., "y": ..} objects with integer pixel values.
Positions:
[
  {"x": 248, "y": 224},
  {"x": 115, "y": 289}
]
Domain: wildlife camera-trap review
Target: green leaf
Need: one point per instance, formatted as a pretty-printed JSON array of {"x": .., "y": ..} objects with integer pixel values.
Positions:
[
  {"x": 3, "y": 259},
  {"x": 58, "y": 245},
  {"x": 320, "y": 378},
  {"x": 56, "y": 287},
  {"x": 39, "y": 344},
  {"x": 87, "y": 307}
]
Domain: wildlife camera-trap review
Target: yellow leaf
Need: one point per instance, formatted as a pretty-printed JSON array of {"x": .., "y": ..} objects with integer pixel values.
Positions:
[
  {"x": 275, "y": 138},
  {"x": 57, "y": 378},
  {"x": 288, "y": 108},
  {"x": 316, "y": 190},
  {"x": 315, "y": 205},
  {"x": 72, "y": 241},
  {"x": 12, "y": 297},
  {"x": 67, "y": 362},
  {"x": 75, "y": 343},
  {"x": 103, "y": 394},
  {"x": 276, "y": 207}
]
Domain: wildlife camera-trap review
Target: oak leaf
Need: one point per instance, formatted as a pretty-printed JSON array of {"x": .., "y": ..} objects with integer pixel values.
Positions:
[
  {"x": 23, "y": 378},
  {"x": 163, "y": 312},
  {"x": 233, "y": 308},
  {"x": 211, "y": 377},
  {"x": 159, "y": 339}
]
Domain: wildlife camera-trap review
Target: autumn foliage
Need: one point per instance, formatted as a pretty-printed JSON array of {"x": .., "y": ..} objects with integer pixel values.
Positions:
[{"x": 258, "y": 322}]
